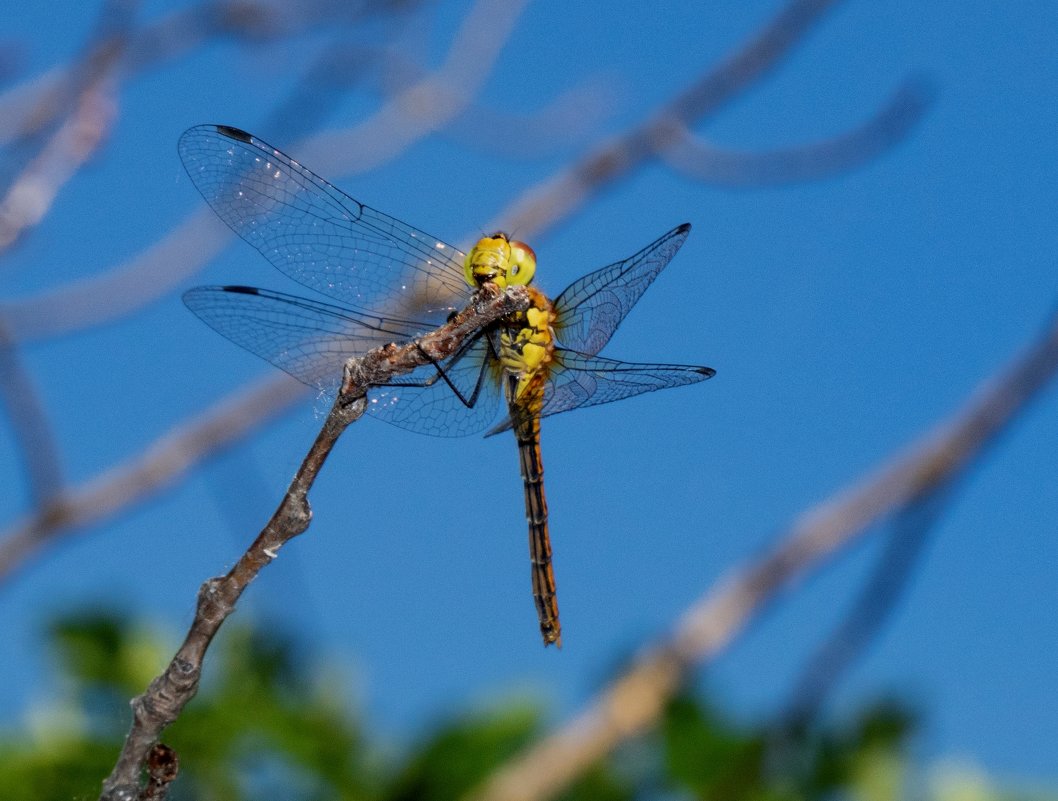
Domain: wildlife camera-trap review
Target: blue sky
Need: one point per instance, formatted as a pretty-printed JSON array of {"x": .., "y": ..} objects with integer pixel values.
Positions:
[{"x": 844, "y": 317}]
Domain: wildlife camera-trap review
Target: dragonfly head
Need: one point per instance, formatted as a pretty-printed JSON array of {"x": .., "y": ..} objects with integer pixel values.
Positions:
[{"x": 500, "y": 260}]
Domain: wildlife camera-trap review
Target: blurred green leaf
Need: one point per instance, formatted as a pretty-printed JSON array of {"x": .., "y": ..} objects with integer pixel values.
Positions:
[
  {"x": 459, "y": 755},
  {"x": 270, "y": 724}
]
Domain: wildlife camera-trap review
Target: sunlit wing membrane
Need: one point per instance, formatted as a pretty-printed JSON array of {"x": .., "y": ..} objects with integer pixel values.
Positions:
[
  {"x": 318, "y": 235},
  {"x": 590, "y": 309},
  {"x": 430, "y": 406},
  {"x": 579, "y": 380},
  {"x": 307, "y": 339}
]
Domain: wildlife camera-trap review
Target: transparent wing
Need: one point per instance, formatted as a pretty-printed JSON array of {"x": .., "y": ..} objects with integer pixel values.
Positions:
[
  {"x": 423, "y": 402},
  {"x": 312, "y": 341},
  {"x": 318, "y": 235},
  {"x": 307, "y": 339},
  {"x": 590, "y": 309},
  {"x": 579, "y": 379}
]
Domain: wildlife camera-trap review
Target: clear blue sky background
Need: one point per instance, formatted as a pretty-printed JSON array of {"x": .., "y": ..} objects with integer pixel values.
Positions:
[{"x": 844, "y": 317}]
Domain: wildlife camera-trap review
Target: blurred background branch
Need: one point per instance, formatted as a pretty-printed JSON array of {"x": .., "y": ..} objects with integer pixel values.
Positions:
[
  {"x": 558, "y": 198},
  {"x": 90, "y": 103},
  {"x": 906, "y": 538},
  {"x": 28, "y": 109},
  {"x": 71, "y": 509},
  {"x": 29, "y": 423},
  {"x": 706, "y": 162}
]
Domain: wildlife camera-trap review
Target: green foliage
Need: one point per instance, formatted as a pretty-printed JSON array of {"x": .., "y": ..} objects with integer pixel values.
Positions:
[
  {"x": 714, "y": 759},
  {"x": 263, "y": 727},
  {"x": 65, "y": 750},
  {"x": 268, "y": 725},
  {"x": 459, "y": 755}
]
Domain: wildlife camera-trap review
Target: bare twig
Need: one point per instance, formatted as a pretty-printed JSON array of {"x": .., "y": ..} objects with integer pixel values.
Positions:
[
  {"x": 149, "y": 275},
  {"x": 30, "y": 425},
  {"x": 705, "y": 162},
  {"x": 28, "y": 109},
  {"x": 167, "y": 695},
  {"x": 427, "y": 105},
  {"x": 133, "y": 481},
  {"x": 632, "y": 703},
  {"x": 578, "y": 112},
  {"x": 559, "y": 197},
  {"x": 910, "y": 528},
  {"x": 30, "y": 195}
]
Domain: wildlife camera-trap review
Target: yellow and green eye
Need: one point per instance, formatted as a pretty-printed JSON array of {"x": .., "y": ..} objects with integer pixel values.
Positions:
[{"x": 523, "y": 263}]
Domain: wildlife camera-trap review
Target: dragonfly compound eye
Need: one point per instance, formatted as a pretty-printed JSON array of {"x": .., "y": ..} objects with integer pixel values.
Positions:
[{"x": 523, "y": 264}]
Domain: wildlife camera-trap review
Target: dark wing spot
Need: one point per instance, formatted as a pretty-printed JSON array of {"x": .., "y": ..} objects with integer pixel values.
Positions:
[
  {"x": 242, "y": 290},
  {"x": 234, "y": 133}
]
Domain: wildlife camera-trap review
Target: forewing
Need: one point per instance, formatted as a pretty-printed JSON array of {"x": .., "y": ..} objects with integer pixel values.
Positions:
[
  {"x": 424, "y": 402},
  {"x": 578, "y": 380},
  {"x": 590, "y": 309},
  {"x": 309, "y": 340},
  {"x": 318, "y": 235}
]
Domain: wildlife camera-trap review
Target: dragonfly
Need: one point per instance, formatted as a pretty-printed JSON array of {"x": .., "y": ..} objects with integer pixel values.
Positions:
[{"x": 393, "y": 283}]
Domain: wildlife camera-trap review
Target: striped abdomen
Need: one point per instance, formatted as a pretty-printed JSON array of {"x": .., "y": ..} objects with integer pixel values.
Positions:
[{"x": 532, "y": 466}]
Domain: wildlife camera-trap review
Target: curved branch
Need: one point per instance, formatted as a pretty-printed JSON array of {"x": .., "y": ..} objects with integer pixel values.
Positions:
[
  {"x": 559, "y": 197},
  {"x": 869, "y": 611},
  {"x": 40, "y": 455},
  {"x": 633, "y": 703},
  {"x": 578, "y": 111},
  {"x": 148, "y": 276},
  {"x": 160, "y": 464},
  {"x": 89, "y": 111},
  {"x": 30, "y": 108},
  {"x": 427, "y": 105},
  {"x": 167, "y": 695},
  {"x": 705, "y": 162},
  {"x": 30, "y": 196}
]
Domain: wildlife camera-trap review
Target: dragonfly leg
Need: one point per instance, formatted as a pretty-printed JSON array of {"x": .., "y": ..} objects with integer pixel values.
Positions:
[{"x": 442, "y": 374}]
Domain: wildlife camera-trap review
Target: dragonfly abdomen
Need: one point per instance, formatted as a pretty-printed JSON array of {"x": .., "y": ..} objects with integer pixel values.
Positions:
[{"x": 543, "y": 574}]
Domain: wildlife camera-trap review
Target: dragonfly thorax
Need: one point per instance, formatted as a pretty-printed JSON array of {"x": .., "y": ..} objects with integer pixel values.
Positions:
[
  {"x": 527, "y": 345},
  {"x": 500, "y": 260}
]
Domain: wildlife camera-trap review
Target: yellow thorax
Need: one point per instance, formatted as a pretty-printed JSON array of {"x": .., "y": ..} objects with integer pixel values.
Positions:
[{"x": 500, "y": 260}]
